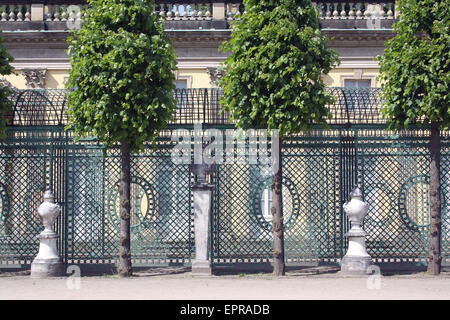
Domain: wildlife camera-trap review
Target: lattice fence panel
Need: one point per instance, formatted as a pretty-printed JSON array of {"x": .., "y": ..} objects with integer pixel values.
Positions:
[
  {"x": 161, "y": 211},
  {"x": 25, "y": 160},
  {"x": 311, "y": 176},
  {"x": 241, "y": 234},
  {"x": 87, "y": 236},
  {"x": 393, "y": 169}
]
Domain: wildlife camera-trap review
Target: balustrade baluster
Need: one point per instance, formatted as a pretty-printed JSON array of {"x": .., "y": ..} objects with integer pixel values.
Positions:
[
  {"x": 351, "y": 12},
  {"x": 12, "y": 15},
  {"x": 4, "y": 14},
  {"x": 390, "y": 14},
  {"x": 177, "y": 12},
  {"x": 199, "y": 12},
  {"x": 162, "y": 11},
  {"x": 343, "y": 14},
  {"x": 19, "y": 13},
  {"x": 358, "y": 11},
  {"x": 366, "y": 12},
  {"x": 64, "y": 14},
  {"x": 28, "y": 12},
  {"x": 208, "y": 11},
  {"x": 328, "y": 13},
  {"x": 335, "y": 11},
  {"x": 185, "y": 14},
  {"x": 170, "y": 11}
]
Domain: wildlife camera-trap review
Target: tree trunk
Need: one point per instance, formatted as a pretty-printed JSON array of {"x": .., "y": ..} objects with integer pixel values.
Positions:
[
  {"x": 124, "y": 268},
  {"x": 434, "y": 258},
  {"x": 277, "y": 209}
]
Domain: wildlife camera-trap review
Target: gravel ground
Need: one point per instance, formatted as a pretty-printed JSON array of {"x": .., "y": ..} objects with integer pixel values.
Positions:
[{"x": 181, "y": 284}]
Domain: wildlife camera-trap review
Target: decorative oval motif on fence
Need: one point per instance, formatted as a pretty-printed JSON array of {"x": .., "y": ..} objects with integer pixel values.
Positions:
[
  {"x": 413, "y": 203},
  {"x": 143, "y": 203},
  {"x": 262, "y": 203}
]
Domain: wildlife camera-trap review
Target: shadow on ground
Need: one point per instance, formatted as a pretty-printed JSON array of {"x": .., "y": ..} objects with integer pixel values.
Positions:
[
  {"x": 267, "y": 270},
  {"x": 229, "y": 270}
]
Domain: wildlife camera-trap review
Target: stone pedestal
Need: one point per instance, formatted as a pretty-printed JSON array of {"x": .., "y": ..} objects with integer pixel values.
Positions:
[
  {"x": 47, "y": 263},
  {"x": 202, "y": 210},
  {"x": 356, "y": 261}
]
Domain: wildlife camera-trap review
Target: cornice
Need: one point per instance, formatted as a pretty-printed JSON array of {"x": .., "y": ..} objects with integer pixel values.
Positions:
[
  {"x": 35, "y": 36},
  {"x": 203, "y": 35},
  {"x": 358, "y": 35}
]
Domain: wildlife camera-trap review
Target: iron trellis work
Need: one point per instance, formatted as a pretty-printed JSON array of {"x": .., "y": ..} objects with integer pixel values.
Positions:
[
  {"x": 161, "y": 215},
  {"x": 319, "y": 169},
  {"x": 31, "y": 161},
  {"x": 37, "y": 107}
]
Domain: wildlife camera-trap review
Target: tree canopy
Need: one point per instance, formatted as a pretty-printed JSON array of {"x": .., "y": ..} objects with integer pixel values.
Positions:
[
  {"x": 274, "y": 74},
  {"x": 414, "y": 70},
  {"x": 122, "y": 77},
  {"x": 5, "y": 69}
]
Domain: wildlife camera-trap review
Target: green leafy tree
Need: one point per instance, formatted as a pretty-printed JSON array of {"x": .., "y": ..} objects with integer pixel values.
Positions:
[
  {"x": 5, "y": 104},
  {"x": 273, "y": 80},
  {"x": 122, "y": 85},
  {"x": 5, "y": 119},
  {"x": 414, "y": 72}
]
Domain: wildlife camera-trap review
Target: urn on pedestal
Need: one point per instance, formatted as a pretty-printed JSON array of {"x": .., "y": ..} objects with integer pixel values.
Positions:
[
  {"x": 47, "y": 263},
  {"x": 356, "y": 260}
]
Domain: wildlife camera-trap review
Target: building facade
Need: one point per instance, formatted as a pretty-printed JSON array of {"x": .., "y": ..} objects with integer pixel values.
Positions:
[{"x": 35, "y": 33}]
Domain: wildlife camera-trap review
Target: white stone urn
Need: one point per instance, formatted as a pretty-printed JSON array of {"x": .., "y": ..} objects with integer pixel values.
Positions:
[
  {"x": 48, "y": 211},
  {"x": 356, "y": 210},
  {"x": 47, "y": 263},
  {"x": 356, "y": 260}
]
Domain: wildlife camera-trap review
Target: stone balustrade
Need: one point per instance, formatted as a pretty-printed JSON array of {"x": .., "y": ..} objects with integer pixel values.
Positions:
[
  {"x": 63, "y": 12},
  {"x": 15, "y": 12},
  {"x": 189, "y": 10},
  {"x": 185, "y": 11},
  {"x": 356, "y": 9}
]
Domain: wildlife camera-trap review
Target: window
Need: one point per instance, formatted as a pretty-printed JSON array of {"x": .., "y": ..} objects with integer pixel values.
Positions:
[
  {"x": 357, "y": 100},
  {"x": 181, "y": 84},
  {"x": 266, "y": 204},
  {"x": 354, "y": 83}
]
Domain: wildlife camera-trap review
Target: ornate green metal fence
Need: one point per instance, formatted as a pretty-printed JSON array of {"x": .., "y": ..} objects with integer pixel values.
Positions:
[
  {"x": 319, "y": 170},
  {"x": 86, "y": 184},
  {"x": 161, "y": 215},
  {"x": 31, "y": 161}
]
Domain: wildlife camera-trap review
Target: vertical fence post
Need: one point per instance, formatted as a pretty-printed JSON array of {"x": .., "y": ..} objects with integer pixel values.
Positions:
[
  {"x": 202, "y": 212},
  {"x": 202, "y": 192}
]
